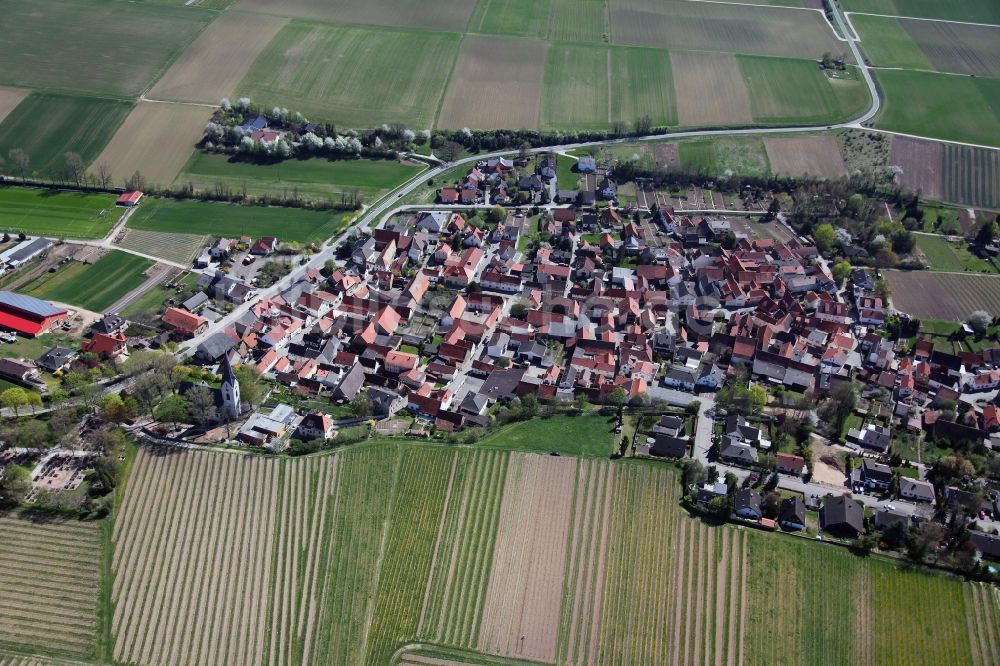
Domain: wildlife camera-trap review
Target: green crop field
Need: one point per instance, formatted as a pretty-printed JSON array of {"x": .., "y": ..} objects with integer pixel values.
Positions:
[
  {"x": 316, "y": 179},
  {"x": 975, "y": 11},
  {"x": 47, "y": 127},
  {"x": 528, "y": 18},
  {"x": 943, "y": 106},
  {"x": 591, "y": 87},
  {"x": 971, "y": 176},
  {"x": 586, "y": 435},
  {"x": 56, "y": 214},
  {"x": 579, "y": 21},
  {"x": 220, "y": 219},
  {"x": 951, "y": 257},
  {"x": 354, "y": 75},
  {"x": 713, "y": 157},
  {"x": 886, "y": 43},
  {"x": 786, "y": 91},
  {"x": 93, "y": 287},
  {"x": 98, "y": 42}
]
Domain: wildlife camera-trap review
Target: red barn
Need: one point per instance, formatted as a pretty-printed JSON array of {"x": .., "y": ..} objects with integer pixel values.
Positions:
[
  {"x": 129, "y": 199},
  {"x": 28, "y": 315}
]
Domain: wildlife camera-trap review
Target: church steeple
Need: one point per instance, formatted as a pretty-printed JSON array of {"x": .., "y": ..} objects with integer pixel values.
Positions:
[{"x": 231, "y": 406}]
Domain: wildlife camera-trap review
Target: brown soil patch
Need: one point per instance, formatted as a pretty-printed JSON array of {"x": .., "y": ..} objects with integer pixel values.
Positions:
[
  {"x": 156, "y": 140},
  {"x": 667, "y": 155},
  {"x": 450, "y": 15},
  {"x": 497, "y": 82},
  {"x": 214, "y": 64},
  {"x": 943, "y": 296},
  {"x": 921, "y": 162},
  {"x": 864, "y": 637},
  {"x": 816, "y": 156},
  {"x": 9, "y": 99},
  {"x": 826, "y": 465},
  {"x": 521, "y": 609},
  {"x": 710, "y": 89}
]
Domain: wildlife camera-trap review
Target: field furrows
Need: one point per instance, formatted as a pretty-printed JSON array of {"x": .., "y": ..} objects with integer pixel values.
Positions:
[
  {"x": 191, "y": 571},
  {"x": 586, "y": 563},
  {"x": 458, "y": 579},
  {"x": 356, "y": 522},
  {"x": 646, "y": 541},
  {"x": 409, "y": 548},
  {"x": 529, "y": 559},
  {"x": 983, "y": 615},
  {"x": 49, "y": 572}
]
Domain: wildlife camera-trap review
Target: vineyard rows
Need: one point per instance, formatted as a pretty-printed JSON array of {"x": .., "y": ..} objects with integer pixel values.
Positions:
[
  {"x": 424, "y": 481},
  {"x": 580, "y": 627},
  {"x": 193, "y": 559},
  {"x": 971, "y": 176},
  {"x": 982, "y": 607},
  {"x": 38, "y": 661},
  {"x": 49, "y": 577},
  {"x": 464, "y": 551},
  {"x": 180, "y": 248},
  {"x": 642, "y": 552}
]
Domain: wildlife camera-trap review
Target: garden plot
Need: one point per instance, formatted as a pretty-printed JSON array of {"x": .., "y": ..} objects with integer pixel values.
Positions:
[
  {"x": 50, "y": 574},
  {"x": 214, "y": 64},
  {"x": 497, "y": 82},
  {"x": 529, "y": 562},
  {"x": 710, "y": 90},
  {"x": 920, "y": 162},
  {"x": 179, "y": 248},
  {"x": 155, "y": 140},
  {"x": 813, "y": 156}
]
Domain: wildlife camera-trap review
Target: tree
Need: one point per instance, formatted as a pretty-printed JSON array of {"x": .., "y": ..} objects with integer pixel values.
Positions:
[
  {"x": 14, "y": 485},
  {"x": 840, "y": 404},
  {"x": 986, "y": 233},
  {"x": 450, "y": 150},
  {"x": 14, "y": 398},
  {"x": 824, "y": 237},
  {"x": 518, "y": 310},
  {"x": 618, "y": 396},
  {"x": 73, "y": 168},
  {"x": 952, "y": 468},
  {"x": 104, "y": 175},
  {"x": 173, "y": 410},
  {"x": 113, "y": 408},
  {"x": 903, "y": 242},
  {"x": 529, "y": 405},
  {"x": 201, "y": 405},
  {"x": 62, "y": 421},
  {"x": 758, "y": 397},
  {"x": 841, "y": 271},
  {"x": 20, "y": 160},
  {"x": 580, "y": 402},
  {"x": 979, "y": 321},
  {"x": 770, "y": 504},
  {"x": 361, "y": 404},
  {"x": 251, "y": 391},
  {"x": 772, "y": 211},
  {"x": 33, "y": 434}
]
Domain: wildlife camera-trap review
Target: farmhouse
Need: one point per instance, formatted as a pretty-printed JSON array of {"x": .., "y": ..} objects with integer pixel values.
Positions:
[
  {"x": 184, "y": 322},
  {"x": 28, "y": 315}
]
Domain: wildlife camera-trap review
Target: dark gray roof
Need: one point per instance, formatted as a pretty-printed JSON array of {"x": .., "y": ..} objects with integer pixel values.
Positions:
[
  {"x": 792, "y": 511},
  {"x": 885, "y": 518},
  {"x": 55, "y": 358},
  {"x": 841, "y": 513},
  {"x": 29, "y": 304},
  {"x": 669, "y": 447},
  {"x": 109, "y": 323},
  {"x": 747, "y": 498},
  {"x": 196, "y": 300},
  {"x": 351, "y": 383},
  {"x": 215, "y": 347},
  {"x": 28, "y": 251},
  {"x": 502, "y": 383}
]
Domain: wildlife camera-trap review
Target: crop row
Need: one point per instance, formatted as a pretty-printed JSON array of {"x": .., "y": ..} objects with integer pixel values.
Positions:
[
  {"x": 409, "y": 549},
  {"x": 971, "y": 175},
  {"x": 357, "y": 518},
  {"x": 983, "y": 614},
  {"x": 641, "y": 554},
  {"x": 453, "y": 607},
  {"x": 193, "y": 560}
]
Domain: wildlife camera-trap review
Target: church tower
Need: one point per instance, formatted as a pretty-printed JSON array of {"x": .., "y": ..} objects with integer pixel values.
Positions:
[{"x": 231, "y": 406}]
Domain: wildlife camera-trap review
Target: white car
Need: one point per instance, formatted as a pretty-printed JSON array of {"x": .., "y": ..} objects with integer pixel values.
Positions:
[{"x": 891, "y": 507}]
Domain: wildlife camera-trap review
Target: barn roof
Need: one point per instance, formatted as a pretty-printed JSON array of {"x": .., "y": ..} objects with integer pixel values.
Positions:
[{"x": 28, "y": 304}]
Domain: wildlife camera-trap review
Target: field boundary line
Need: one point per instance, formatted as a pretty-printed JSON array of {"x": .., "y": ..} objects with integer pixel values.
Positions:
[
  {"x": 444, "y": 90},
  {"x": 908, "y": 18},
  {"x": 761, "y": 6}
]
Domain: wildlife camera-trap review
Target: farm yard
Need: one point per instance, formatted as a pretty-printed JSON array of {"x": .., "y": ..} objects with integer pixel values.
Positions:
[
  {"x": 50, "y": 571},
  {"x": 94, "y": 286},
  {"x": 48, "y": 126},
  {"x": 155, "y": 140},
  {"x": 943, "y": 296},
  {"x": 222, "y": 219},
  {"x": 56, "y": 214},
  {"x": 316, "y": 179}
]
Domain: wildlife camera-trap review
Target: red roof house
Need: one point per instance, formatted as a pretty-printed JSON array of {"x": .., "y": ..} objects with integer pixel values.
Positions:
[
  {"x": 184, "y": 322},
  {"x": 108, "y": 346}
]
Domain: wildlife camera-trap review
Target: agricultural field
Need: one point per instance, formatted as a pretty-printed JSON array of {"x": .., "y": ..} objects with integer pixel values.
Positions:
[
  {"x": 57, "y": 214},
  {"x": 943, "y": 106},
  {"x": 91, "y": 45},
  {"x": 714, "y": 157},
  {"x": 589, "y": 435},
  {"x": 956, "y": 48},
  {"x": 971, "y": 176},
  {"x": 787, "y": 91},
  {"x": 221, "y": 219},
  {"x": 215, "y": 63},
  {"x": 943, "y": 296},
  {"x": 316, "y": 179},
  {"x": 9, "y": 99},
  {"x": 50, "y": 571},
  {"x": 950, "y": 257},
  {"x": 155, "y": 140},
  {"x": 975, "y": 11},
  {"x": 507, "y": 75},
  {"x": 579, "y": 21},
  {"x": 710, "y": 90},
  {"x": 48, "y": 126},
  {"x": 449, "y": 15},
  {"x": 352, "y": 74},
  {"x": 527, "y": 18},
  {"x": 179, "y": 248},
  {"x": 816, "y": 156},
  {"x": 921, "y": 164},
  {"x": 639, "y": 83},
  {"x": 677, "y": 24},
  {"x": 93, "y": 287}
]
